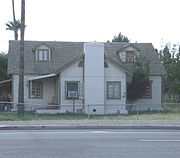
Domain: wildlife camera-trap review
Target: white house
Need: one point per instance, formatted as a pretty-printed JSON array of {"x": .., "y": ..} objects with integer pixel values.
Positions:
[{"x": 83, "y": 77}]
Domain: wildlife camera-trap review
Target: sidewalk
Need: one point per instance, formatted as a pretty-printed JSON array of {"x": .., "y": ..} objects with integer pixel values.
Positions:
[{"x": 89, "y": 124}]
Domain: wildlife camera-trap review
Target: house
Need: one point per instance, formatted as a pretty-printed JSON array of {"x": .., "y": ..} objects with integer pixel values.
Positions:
[{"x": 91, "y": 76}]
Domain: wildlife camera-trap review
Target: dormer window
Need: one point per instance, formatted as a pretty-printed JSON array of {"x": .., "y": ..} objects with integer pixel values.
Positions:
[
  {"x": 130, "y": 56},
  {"x": 128, "y": 53},
  {"x": 43, "y": 55}
]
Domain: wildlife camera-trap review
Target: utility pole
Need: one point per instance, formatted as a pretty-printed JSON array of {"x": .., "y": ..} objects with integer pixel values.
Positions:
[{"x": 20, "y": 105}]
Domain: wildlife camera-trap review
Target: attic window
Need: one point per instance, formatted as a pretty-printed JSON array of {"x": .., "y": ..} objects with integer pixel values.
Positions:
[
  {"x": 130, "y": 56},
  {"x": 43, "y": 55},
  {"x": 81, "y": 63}
]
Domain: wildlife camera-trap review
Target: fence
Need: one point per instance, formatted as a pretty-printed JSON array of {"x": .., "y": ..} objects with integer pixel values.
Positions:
[{"x": 135, "y": 111}]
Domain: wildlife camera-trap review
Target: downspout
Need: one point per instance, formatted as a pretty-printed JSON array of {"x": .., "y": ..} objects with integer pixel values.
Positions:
[
  {"x": 83, "y": 86},
  {"x": 59, "y": 88}
]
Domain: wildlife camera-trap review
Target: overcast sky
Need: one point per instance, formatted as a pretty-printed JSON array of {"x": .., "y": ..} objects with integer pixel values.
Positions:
[{"x": 155, "y": 21}]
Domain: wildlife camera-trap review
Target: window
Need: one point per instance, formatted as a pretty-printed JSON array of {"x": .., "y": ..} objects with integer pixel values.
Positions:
[
  {"x": 113, "y": 90},
  {"x": 72, "y": 90},
  {"x": 148, "y": 92},
  {"x": 81, "y": 64},
  {"x": 129, "y": 56},
  {"x": 105, "y": 64},
  {"x": 43, "y": 55},
  {"x": 36, "y": 89}
]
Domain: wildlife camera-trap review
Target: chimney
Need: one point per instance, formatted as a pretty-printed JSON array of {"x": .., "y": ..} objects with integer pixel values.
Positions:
[{"x": 94, "y": 75}]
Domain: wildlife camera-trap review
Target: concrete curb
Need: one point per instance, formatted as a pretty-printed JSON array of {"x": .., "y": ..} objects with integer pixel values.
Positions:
[{"x": 64, "y": 127}]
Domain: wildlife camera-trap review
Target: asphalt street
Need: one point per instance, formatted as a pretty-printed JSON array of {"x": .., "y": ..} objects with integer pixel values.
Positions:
[{"x": 90, "y": 144}]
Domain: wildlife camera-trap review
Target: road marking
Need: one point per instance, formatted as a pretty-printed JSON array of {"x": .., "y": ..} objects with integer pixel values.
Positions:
[{"x": 160, "y": 140}]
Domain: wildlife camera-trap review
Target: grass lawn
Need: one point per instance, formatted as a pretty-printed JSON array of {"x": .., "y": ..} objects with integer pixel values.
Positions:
[
  {"x": 170, "y": 112},
  {"x": 144, "y": 116}
]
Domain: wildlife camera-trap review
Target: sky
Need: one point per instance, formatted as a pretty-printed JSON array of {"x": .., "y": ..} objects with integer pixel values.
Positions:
[{"x": 142, "y": 21}]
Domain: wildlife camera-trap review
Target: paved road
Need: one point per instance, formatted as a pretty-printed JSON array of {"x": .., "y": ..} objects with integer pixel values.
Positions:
[{"x": 90, "y": 144}]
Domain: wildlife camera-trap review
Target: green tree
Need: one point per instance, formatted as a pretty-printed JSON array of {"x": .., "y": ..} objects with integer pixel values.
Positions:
[
  {"x": 140, "y": 79},
  {"x": 120, "y": 38},
  {"x": 165, "y": 57},
  {"x": 3, "y": 66},
  {"x": 171, "y": 60},
  {"x": 14, "y": 26}
]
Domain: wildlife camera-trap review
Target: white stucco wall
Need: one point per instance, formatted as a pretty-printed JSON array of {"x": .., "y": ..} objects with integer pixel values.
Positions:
[
  {"x": 155, "y": 102},
  {"x": 72, "y": 73},
  {"x": 48, "y": 92},
  {"x": 114, "y": 73}
]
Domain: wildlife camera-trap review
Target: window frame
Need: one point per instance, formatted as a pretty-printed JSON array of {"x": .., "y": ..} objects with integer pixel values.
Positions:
[
  {"x": 148, "y": 88},
  {"x": 66, "y": 90},
  {"x": 43, "y": 55},
  {"x": 133, "y": 55},
  {"x": 81, "y": 64},
  {"x": 31, "y": 89},
  {"x": 113, "y": 83}
]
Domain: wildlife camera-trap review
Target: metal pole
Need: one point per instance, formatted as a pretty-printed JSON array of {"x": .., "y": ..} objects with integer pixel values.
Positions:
[
  {"x": 137, "y": 111},
  {"x": 88, "y": 111},
  {"x": 73, "y": 106}
]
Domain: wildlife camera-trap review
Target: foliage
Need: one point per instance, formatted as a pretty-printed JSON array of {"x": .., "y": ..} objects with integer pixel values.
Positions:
[
  {"x": 14, "y": 26},
  {"x": 3, "y": 66},
  {"x": 170, "y": 58},
  {"x": 120, "y": 38},
  {"x": 140, "y": 79}
]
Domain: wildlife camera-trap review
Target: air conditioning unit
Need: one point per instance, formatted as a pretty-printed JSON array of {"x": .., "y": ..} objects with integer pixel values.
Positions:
[{"x": 72, "y": 94}]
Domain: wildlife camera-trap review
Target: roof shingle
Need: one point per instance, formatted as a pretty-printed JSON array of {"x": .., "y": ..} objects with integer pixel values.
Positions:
[{"x": 65, "y": 52}]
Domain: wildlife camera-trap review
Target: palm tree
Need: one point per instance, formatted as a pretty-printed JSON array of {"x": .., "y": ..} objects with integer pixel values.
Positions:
[
  {"x": 14, "y": 26},
  {"x": 20, "y": 105}
]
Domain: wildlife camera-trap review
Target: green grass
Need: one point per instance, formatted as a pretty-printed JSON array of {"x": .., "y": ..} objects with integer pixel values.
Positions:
[
  {"x": 171, "y": 112},
  {"x": 32, "y": 116}
]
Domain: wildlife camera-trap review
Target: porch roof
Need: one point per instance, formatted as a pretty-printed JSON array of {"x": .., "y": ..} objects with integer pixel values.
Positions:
[
  {"x": 5, "y": 81},
  {"x": 42, "y": 77}
]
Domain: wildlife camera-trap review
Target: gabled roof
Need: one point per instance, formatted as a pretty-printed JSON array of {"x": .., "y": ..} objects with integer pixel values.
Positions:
[
  {"x": 131, "y": 45},
  {"x": 68, "y": 64},
  {"x": 145, "y": 49},
  {"x": 119, "y": 64},
  {"x": 41, "y": 44},
  {"x": 64, "y": 53}
]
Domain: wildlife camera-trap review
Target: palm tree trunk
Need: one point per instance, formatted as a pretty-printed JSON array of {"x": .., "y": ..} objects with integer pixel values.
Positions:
[
  {"x": 20, "y": 105},
  {"x": 16, "y": 35},
  {"x": 14, "y": 19}
]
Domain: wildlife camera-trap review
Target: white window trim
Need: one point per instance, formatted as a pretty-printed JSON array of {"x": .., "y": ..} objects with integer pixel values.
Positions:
[
  {"x": 107, "y": 89},
  {"x": 43, "y": 49},
  {"x": 30, "y": 90},
  {"x": 66, "y": 92}
]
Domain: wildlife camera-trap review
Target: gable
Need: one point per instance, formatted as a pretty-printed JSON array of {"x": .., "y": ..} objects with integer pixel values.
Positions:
[
  {"x": 128, "y": 54},
  {"x": 145, "y": 49},
  {"x": 114, "y": 70}
]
